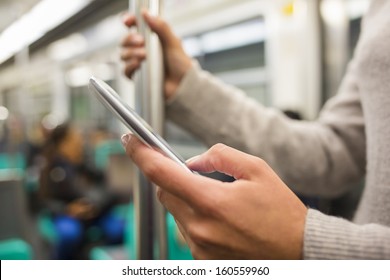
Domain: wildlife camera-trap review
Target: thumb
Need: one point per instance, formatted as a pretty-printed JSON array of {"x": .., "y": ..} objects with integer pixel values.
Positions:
[
  {"x": 229, "y": 161},
  {"x": 161, "y": 28}
]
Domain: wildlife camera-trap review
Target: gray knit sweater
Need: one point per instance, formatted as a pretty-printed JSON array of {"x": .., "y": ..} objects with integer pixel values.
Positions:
[{"x": 349, "y": 140}]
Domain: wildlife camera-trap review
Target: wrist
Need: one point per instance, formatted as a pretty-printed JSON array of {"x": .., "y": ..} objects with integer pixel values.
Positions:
[
  {"x": 172, "y": 83},
  {"x": 298, "y": 230}
]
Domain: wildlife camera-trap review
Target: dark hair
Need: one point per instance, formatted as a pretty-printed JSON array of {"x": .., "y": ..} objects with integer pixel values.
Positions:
[{"x": 58, "y": 134}]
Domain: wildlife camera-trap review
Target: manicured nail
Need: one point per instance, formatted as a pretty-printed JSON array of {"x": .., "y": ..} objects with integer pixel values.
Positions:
[{"x": 125, "y": 139}]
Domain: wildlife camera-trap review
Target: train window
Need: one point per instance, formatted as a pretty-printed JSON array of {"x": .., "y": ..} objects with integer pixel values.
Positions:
[
  {"x": 38, "y": 100},
  {"x": 85, "y": 110},
  {"x": 236, "y": 51},
  {"x": 341, "y": 22},
  {"x": 236, "y": 55},
  {"x": 79, "y": 106}
]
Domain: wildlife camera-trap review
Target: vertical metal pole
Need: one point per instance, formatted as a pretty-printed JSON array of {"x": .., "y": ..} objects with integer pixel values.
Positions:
[{"x": 150, "y": 215}]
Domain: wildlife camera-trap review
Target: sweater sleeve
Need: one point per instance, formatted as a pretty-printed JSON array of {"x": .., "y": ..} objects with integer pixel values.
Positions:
[
  {"x": 328, "y": 237},
  {"x": 322, "y": 157}
]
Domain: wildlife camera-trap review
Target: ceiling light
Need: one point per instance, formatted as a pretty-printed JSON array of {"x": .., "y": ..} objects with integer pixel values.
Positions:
[{"x": 42, "y": 18}]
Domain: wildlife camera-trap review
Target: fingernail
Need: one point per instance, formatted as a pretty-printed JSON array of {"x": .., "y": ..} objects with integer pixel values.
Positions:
[
  {"x": 125, "y": 139},
  {"x": 192, "y": 159}
]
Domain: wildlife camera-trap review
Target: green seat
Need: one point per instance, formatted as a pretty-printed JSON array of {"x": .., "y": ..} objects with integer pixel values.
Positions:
[
  {"x": 176, "y": 250},
  {"x": 104, "y": 150},
  {"x": 105, "y": 253},
  {"x": 12, "y": 161},
  {"x": 125, "y": 251},
  {"x": 129, "y": 234},
  {"x": 15, "y": 249},
  {"x": 12, "y": 165},
  {"x": 46, "y": 227}
]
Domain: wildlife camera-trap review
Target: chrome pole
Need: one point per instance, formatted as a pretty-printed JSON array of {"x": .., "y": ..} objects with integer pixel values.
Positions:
[{"x": 150, "y": 214}]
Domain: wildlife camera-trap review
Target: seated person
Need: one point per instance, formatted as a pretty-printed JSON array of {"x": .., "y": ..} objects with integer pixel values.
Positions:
[{"x": 74, "y": 194}]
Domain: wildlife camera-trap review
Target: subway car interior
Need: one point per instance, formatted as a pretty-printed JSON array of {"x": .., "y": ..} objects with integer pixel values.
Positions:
[{"x": 287, "y": 54}]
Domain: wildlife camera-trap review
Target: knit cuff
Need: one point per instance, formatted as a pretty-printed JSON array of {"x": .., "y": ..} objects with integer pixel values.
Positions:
[
  {"x": 328, "y": 237},
  {"x": 189, "y": 81}
]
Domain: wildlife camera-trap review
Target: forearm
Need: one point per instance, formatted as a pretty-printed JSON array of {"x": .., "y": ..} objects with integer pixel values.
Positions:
[{"x": 312, "y": 158}]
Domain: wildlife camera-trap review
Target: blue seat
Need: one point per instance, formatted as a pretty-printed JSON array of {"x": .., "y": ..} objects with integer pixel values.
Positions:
[
  {"x": 125, "y": 251},
  {"x": 176, "y": 250}
]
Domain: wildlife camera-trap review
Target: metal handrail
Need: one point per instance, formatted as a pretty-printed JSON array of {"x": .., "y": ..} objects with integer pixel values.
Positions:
[{"x": 150, "y": 214}]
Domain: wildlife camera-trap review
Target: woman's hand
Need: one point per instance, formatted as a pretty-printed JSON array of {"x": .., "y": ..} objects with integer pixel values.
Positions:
[
  {"x": 255, "y": 217},
  {"x": 176, "y": 61}
]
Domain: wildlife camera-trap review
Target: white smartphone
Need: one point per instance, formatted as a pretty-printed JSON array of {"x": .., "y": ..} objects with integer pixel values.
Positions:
[{"x": 138, "y": 126}]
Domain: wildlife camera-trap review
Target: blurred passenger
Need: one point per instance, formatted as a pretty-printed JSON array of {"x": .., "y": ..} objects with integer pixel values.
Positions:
[
  {"x": 36, "y": 138},
  {"x": 257, "y": 216},
  {"x": 75, "y": 193},
  {"x": 34, "y": 160}
]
